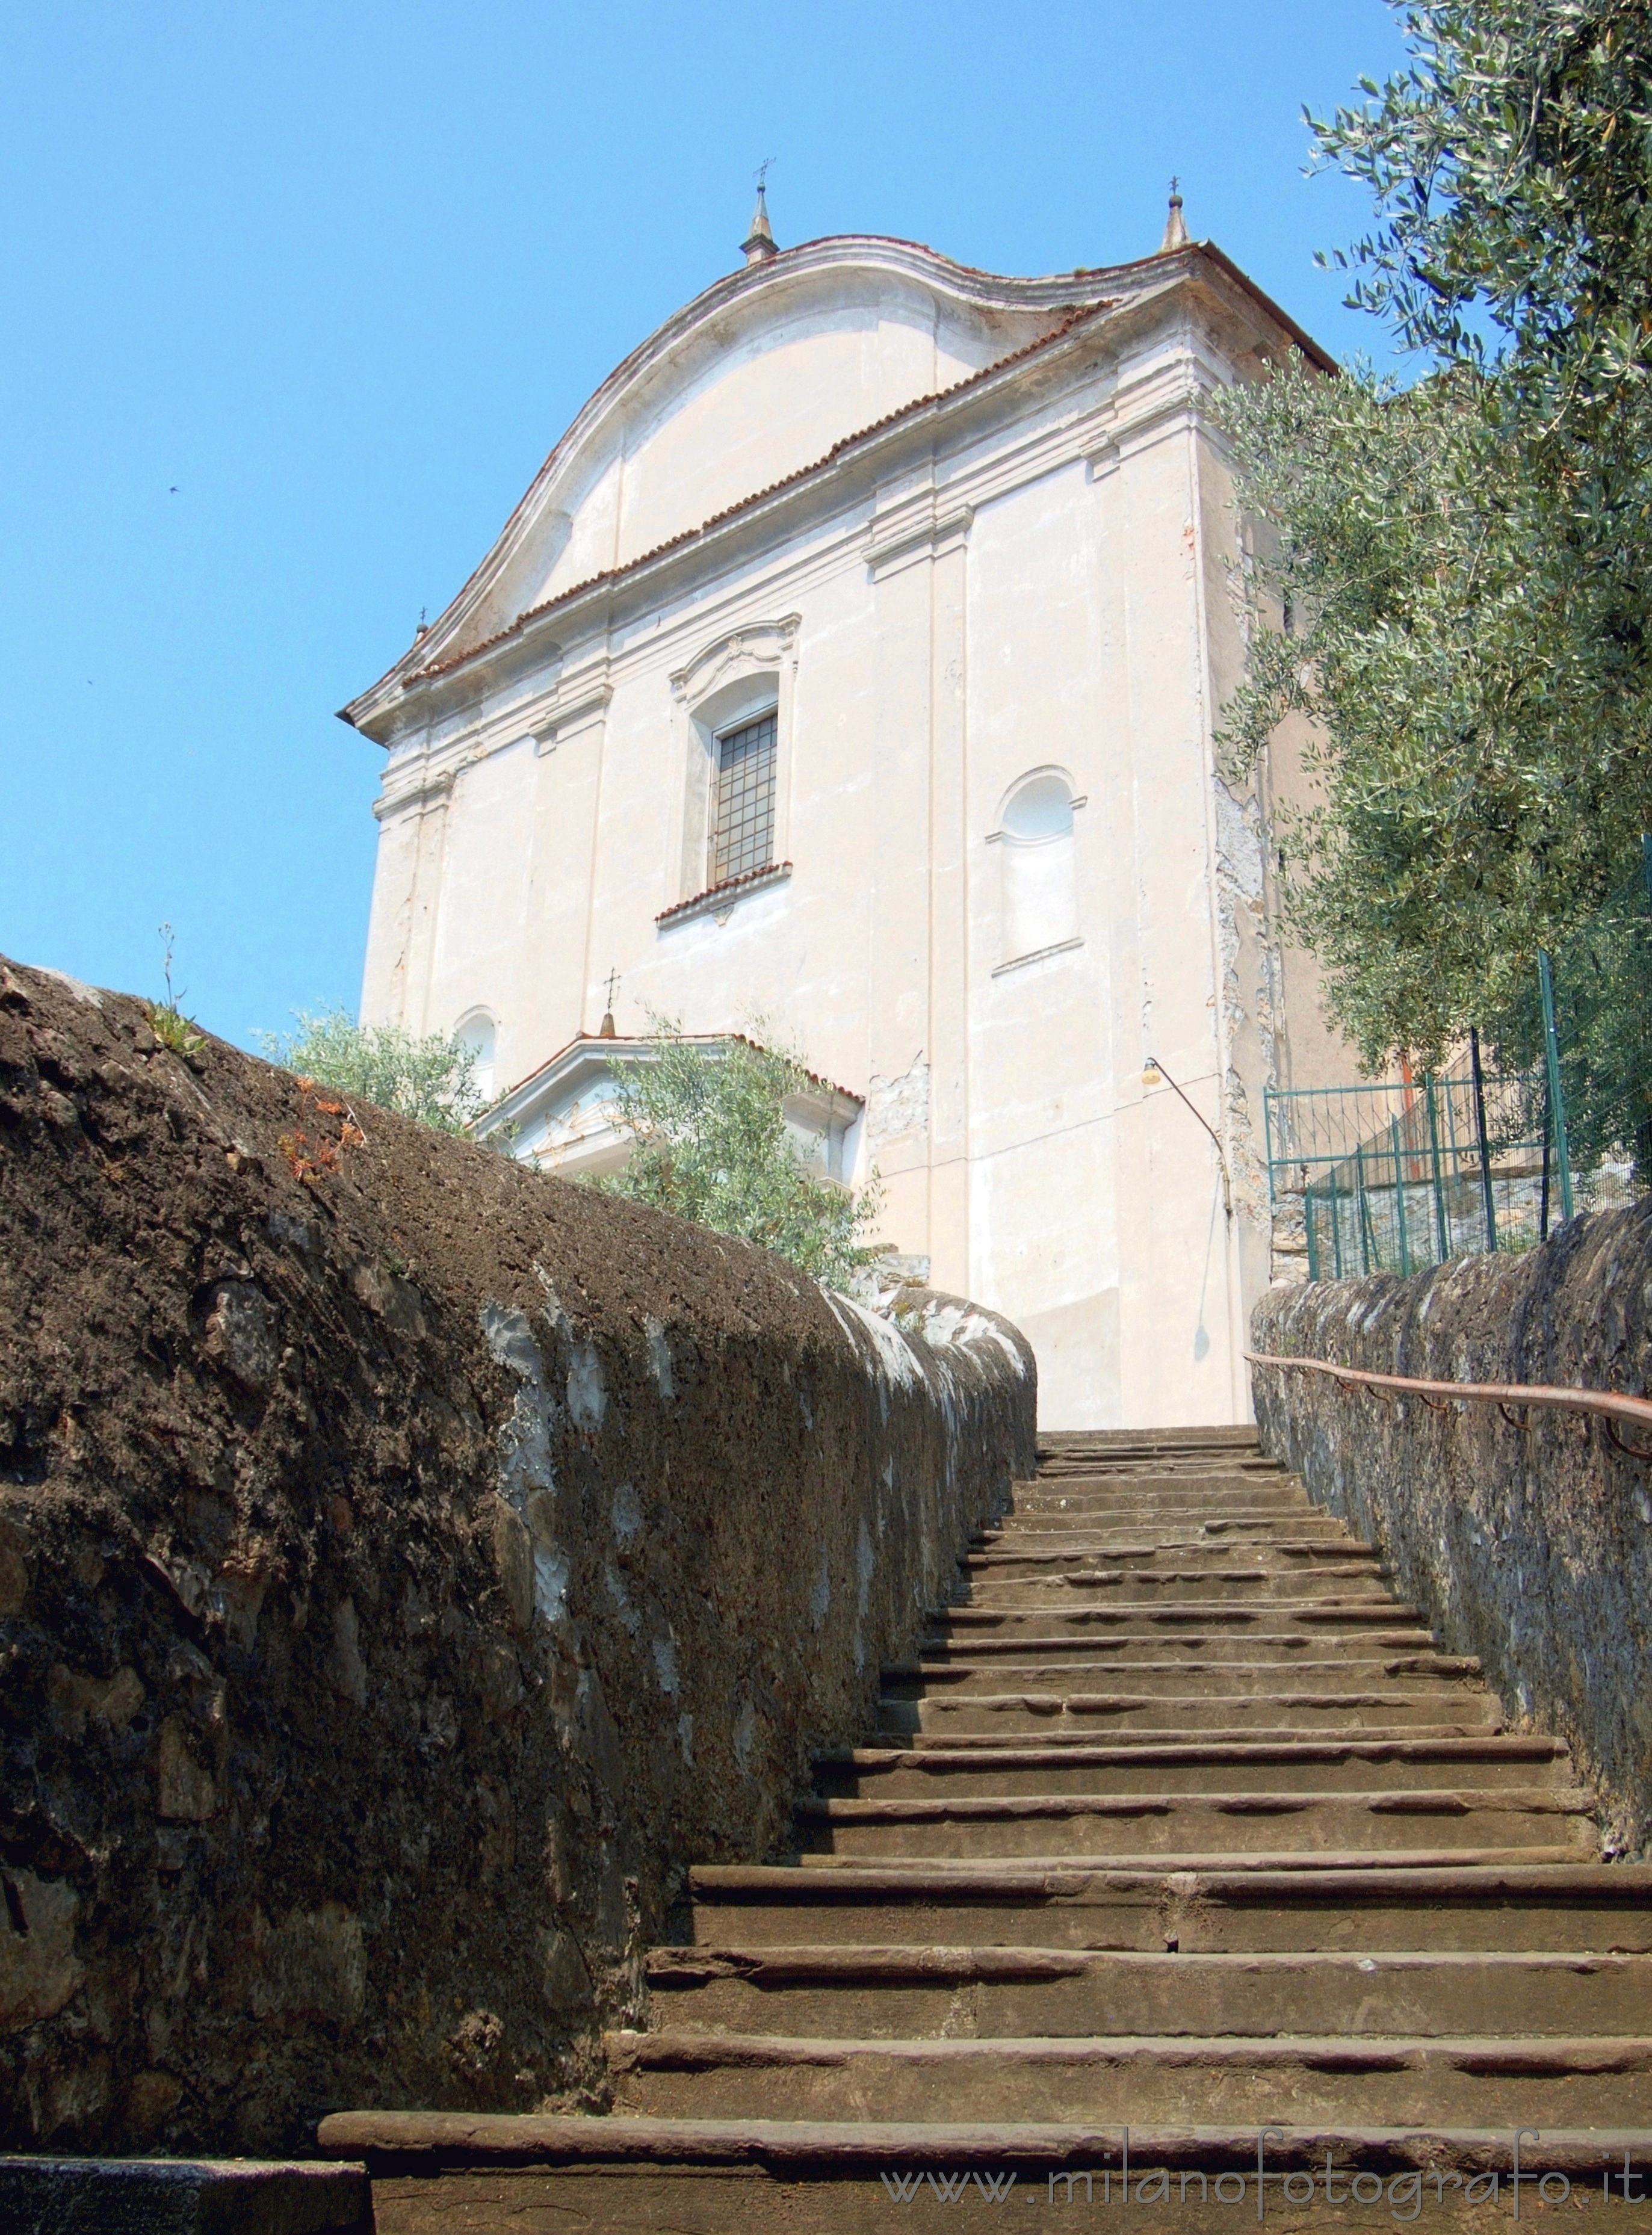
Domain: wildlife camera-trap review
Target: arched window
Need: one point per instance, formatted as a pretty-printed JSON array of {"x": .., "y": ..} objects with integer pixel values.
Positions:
[
  {"x": 1041, "y": 891},
  {"x": 476, "y": 1032}
]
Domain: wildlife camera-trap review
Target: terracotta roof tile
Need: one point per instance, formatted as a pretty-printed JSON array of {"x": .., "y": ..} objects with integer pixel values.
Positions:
[
  {"x": 596, "y": 1039},
  {"x": 728, "y": 885}
]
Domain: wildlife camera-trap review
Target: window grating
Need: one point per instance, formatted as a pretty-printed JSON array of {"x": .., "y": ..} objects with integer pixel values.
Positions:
[{"x": 743, "y": 835}]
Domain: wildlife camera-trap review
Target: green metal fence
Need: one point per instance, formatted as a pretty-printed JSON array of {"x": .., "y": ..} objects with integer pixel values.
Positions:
[
  {"x": 1488, "y": 1155},
  {"x": 1494, "y": 1152},
  {"x": 1586, "y": 1014},
  {"x": 1391, "y": 1178}
]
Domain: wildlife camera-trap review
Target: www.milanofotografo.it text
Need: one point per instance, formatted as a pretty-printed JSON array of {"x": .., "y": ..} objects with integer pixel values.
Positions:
[{"x": 1406, "y": 2194}]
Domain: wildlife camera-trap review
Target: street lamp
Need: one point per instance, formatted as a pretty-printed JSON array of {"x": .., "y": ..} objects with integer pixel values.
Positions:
[{"x": 1154, "y": 1074}]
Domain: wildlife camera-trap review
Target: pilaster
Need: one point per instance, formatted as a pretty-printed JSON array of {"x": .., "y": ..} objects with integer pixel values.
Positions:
[
  {"x": 948, "y": 919},
  {"x": 900, "y": 1056},
  {"x": 407, "y": 890}
]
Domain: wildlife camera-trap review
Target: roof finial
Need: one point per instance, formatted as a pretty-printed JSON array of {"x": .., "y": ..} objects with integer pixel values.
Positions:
[
  {"x": 759, "y": 242},
  {"x": 604, "y": 1030},
  {"x": 1176, "y": 233}
]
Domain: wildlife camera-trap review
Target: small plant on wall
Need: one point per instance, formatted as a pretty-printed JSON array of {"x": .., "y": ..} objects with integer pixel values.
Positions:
[{"x": 167, "y": 1021}]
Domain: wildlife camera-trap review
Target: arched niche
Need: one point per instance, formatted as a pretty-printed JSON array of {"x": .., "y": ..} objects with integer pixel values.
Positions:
[
  {"x": 479, "y": 1032},
  {"x": 1039, "y": 880}
]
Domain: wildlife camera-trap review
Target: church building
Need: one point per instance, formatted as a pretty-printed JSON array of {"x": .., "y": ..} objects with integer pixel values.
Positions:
[{"x": 854, "y": 663}]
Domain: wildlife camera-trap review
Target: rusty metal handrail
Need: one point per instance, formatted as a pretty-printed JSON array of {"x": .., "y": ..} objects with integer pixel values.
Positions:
[{"x": 1534, "y": 1395}]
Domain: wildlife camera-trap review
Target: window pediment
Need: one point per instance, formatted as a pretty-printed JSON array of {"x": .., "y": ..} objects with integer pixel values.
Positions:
[{"x": 743, "y": 655}]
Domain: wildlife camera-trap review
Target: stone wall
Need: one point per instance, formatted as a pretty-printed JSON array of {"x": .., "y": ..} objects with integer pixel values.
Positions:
[
  {"x": 1533, "y": 1549},
  {"x": 407, "y": 1563}
]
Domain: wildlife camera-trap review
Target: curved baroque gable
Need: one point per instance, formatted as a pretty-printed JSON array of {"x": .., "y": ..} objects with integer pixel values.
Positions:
[
  {"x": 756, "y": 379},
  {"x": 762, "y": 376}
]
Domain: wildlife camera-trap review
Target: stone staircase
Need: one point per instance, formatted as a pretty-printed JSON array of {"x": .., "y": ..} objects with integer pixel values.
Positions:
[{"x": 1179, "y": 1822}]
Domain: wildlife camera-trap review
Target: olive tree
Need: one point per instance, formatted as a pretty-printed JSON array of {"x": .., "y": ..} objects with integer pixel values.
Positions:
[
  {"x": 710, "y": 1142},
  {"x": 429, "y": 1078},
  {"x": 1466, "y": 562}
]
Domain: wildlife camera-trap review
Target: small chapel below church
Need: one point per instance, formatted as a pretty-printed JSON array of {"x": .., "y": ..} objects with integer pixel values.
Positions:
[{"x": 855, "y": 661}]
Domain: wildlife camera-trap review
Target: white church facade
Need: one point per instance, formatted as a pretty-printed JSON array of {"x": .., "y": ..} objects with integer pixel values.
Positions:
[{"x": 854, "y": 662}]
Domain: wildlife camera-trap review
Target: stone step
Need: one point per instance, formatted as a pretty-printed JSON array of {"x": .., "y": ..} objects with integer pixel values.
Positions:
[
  {"x": 1213, "y": 1520},
  {"x": 1219, "y": 1555},
  {"x": 1079, "y": 1533},
  {"x": 1229, "y": 1478},
  {"x": 1157, "y": 1466},
  {"x": 1227, "y": 1904},
  {"x": 1248, "y": 1587},
  {"x": 1224, "y": 1523},
  {"x": 1058, "y": 1739},
  {"x": 1238, "y": 1439},
  {"x": 1315, "y": 1766},
  {"x": 1395, "y": 1821},
  {"x": 1205, "y": 1520},
  {"x": 1244, "y": 1587},
  {"x": 1473, "y": 2080},
  {"x": 925, "y": 1992},
  {"x": 450, "y": 2170},
  {"x": 975, "y": 1648},
  {"x": 1219, "y": 1680},
  {"x": 1201, "y": 1531},
  {"x": 1148, "y": 1618},
  {"x": 1235, "y": 1492},
  {"x": 1216, "y": 1471},
  {"x": 1347, "y": 1706}
]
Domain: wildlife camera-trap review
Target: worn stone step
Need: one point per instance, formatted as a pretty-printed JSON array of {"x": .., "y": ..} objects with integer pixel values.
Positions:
[
  {"x": 1176, "y": 1547},
  {"x": 1468, "y": 2080},
  {"x": 1057, "y": 1519},
  {"x": 1168, "y": 1498},
  {"x": 1077, "y": 1537},
  {"x": 1150, "y": 1617},
  {"x": 1195, "y": 1648},
  {"x": 1059, "y": 1738},
  {"x": 1168, "y": 1476},
  {"x": 1235, "y": 1439},
  {"x": 1056, "y": 1530},
  {"x": 1197, "y": 1436},
  {"x": 926, "y": 1991},
  {"x": 983, "y": 1825},
  {"x": 446, "y": 2170},
  {"x": 1238, "y": 1489},
  {"x": 1252, "y": 1578},
  {"x": 1345, "y": 1706},
  {"x": 1194, "y": 1765},
  {"x": 1179, "y": 1554},
  {"x": 1362, "y": 1904},
  {"x": 934, "y": 1678},
  {"x": 1202, "y": 1520},
  {"x": 1212, "y": 1484},
  {"x": 440, "y": 2172}
]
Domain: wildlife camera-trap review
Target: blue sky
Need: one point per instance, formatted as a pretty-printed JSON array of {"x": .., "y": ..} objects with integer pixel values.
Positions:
[{"x": 296, "y": 300}]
